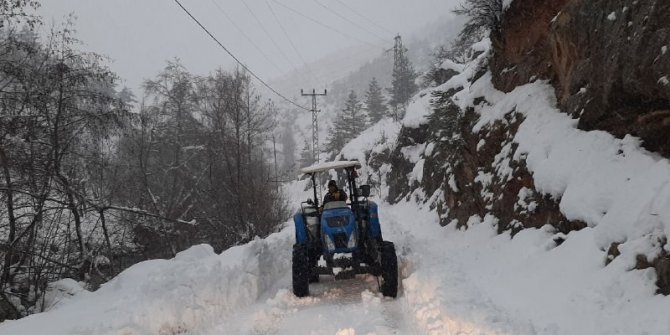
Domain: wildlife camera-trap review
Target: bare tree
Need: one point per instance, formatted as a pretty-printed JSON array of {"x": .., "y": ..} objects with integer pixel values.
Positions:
[{"x": 57, "y": 106}]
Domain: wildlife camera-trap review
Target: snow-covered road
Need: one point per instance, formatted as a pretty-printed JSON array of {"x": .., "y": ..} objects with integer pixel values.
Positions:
[
  {"x": 436, "y": 294},
  {"x": 344, "y": 307}
]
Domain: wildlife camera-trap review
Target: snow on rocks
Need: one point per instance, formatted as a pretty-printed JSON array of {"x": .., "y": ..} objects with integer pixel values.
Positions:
[
  {"x": 476, "y": 281},
  {"x": 60, "y": 292},
  {"x": 598, "y": 178},
  {"x": 418, "y": 109}
]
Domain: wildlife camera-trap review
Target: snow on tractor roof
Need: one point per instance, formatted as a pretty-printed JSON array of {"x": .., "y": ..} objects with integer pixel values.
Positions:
[{"x": 329, "y": 166}]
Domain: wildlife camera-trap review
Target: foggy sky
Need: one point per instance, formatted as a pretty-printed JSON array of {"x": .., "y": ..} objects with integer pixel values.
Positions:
[{"x": 140, "y": 35}]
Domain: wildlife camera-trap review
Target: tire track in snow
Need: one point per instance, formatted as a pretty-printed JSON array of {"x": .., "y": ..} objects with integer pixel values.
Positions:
[
  {"x": 352, "y": 306},
  {"x": 439, "y": 297}
]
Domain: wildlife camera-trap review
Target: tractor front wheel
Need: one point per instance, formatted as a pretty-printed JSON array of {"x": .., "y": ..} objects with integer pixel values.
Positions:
[
  {"x": 301, "y": 271},
  {"x": 389, "y": 265}
]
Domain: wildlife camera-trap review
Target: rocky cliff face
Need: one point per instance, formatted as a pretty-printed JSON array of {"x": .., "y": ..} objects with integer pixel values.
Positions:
[
  {"x": 466, "y": 173},
  {"x": 608, "y": 59},
  {"x": 609, "y": 62}
]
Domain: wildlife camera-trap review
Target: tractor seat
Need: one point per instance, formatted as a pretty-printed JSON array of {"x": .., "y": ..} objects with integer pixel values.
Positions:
[{"x": 335, "y": 204}]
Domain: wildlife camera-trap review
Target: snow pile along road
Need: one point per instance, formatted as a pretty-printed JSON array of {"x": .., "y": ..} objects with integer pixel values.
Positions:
[{"x": 186, "y": 294}]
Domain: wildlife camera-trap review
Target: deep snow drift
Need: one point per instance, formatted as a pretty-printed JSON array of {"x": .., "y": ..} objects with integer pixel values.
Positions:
[{"x": 452, "y": 281}]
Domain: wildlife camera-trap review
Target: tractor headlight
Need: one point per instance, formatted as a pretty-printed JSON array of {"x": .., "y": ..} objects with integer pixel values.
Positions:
[
  {"x": 352, "y": 240},
  {"x": 329, "y": 242}
]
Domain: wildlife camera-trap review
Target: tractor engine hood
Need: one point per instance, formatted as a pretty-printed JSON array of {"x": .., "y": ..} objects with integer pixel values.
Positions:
[{"x": 338, "y": 227}]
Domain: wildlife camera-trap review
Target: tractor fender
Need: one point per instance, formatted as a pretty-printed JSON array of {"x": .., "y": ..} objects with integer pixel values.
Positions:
[
  {"x": 300, "y": 228},
  {"x": 373, "y": 217}
]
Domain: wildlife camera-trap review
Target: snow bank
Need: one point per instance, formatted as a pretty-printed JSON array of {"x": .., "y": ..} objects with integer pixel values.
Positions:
[
  {"x": 611, "y": 184},
  {"x": 418, "y": 109},
  {"x": 478, "y": 282},
  {"x": 193, "y": 291},
  {"x": 374, "y": 140}
]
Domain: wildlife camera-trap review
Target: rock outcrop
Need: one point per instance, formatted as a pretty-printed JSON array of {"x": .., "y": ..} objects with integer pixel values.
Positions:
[{"x": 609, "y": 61}]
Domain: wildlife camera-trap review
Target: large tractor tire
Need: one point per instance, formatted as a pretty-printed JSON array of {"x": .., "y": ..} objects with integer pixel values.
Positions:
[
  {"x": 372, "y": 255},
  {"x": 313, "y": 263},
  {"x": 301, "y": 272},
  {"x": 389, "y": 265}
]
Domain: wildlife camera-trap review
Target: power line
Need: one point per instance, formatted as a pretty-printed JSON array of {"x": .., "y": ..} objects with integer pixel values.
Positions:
[
  {"x": 309, "y": 69},
  {"x": 237, "y": 60},
  {"x": 260, "y": 23},
  {"x": 326, "y": 26},
  {"x": 364, "y": 18},
  {"x": 241, "y": 31},
  {"x": 350, "y": 21}
]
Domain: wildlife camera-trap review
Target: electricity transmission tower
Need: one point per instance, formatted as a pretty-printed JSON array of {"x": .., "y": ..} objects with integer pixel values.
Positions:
[
  {"x": 397, "y": 49},
  {"x": 315, "y": 123}
]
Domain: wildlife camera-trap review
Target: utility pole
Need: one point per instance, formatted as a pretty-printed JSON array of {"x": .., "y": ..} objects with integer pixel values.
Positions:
[
  {"x": 397, "y": 54},
  {"x": 276, "y": 179},
  {"x": 274, "y": 149},
  {"x": 315, "y": 123}
]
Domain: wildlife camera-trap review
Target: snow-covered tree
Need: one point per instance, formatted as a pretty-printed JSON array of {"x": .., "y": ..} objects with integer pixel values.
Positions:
[
  {"x": 60, "y": 111},
  {"x": 354, "y": 120},
  {"x": 375, "y": 103},
  {"x": 306, "y": 155},
  {"x": 403, "y": 86},
  {"x": 288, "y": 145},
  {"x": 484, "y": 15},
  {"x": 349, "y": 122}
]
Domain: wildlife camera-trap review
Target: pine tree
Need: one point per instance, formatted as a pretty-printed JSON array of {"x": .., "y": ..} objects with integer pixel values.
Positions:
[
  {"x": 337, "y": 136},
  {"x": 353, "y": 116},
  {"x": 374, "y": 101},
  {"x": 288, "y": 148},
  {"x": 350, "y": 122},
  {"x": 306, "y": 155},
  {"x": 402, "y": 85},
  {"x": 484, "y": 15}
]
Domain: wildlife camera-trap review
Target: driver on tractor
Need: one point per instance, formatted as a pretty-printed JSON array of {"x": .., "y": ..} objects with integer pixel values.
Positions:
[{"x": 334, "y": 193}]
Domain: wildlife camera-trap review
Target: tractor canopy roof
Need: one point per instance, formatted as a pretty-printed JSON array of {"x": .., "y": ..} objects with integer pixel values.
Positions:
[{"x": 321, "y": 167}]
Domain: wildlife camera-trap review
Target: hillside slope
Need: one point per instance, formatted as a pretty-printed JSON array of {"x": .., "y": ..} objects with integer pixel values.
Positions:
[{"x": 489, "y": 145}]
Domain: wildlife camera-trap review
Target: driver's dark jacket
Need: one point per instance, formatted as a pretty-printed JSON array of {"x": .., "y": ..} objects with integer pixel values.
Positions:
[{"x": 334, "y": 196}]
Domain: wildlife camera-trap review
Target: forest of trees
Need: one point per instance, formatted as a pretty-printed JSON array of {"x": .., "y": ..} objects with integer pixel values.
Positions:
[
  {"x": 357, "y": 115},
  {"x": 93, "y": 180}
]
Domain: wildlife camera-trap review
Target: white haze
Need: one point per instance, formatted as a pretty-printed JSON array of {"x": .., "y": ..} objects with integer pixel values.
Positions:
[{"x": 140, "y": 36}]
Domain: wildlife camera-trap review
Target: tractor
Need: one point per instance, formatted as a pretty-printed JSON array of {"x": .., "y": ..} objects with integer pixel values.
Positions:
[{"x": 347, "y": 235}]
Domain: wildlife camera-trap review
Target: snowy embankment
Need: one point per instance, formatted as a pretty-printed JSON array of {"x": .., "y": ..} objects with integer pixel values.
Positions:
[
  {"x": 530, "y": 284},
  {"x": 188, "y": 293}
]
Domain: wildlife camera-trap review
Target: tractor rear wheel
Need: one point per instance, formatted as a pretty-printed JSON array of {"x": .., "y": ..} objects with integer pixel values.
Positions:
[
  {"x": 313, "y": 263},
  {"x": 389, "y": 264},
  {"x": 301, "y": 271}
]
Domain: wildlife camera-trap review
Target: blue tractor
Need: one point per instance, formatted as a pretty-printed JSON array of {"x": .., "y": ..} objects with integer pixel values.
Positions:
[{"x": 341, "y": 228}]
